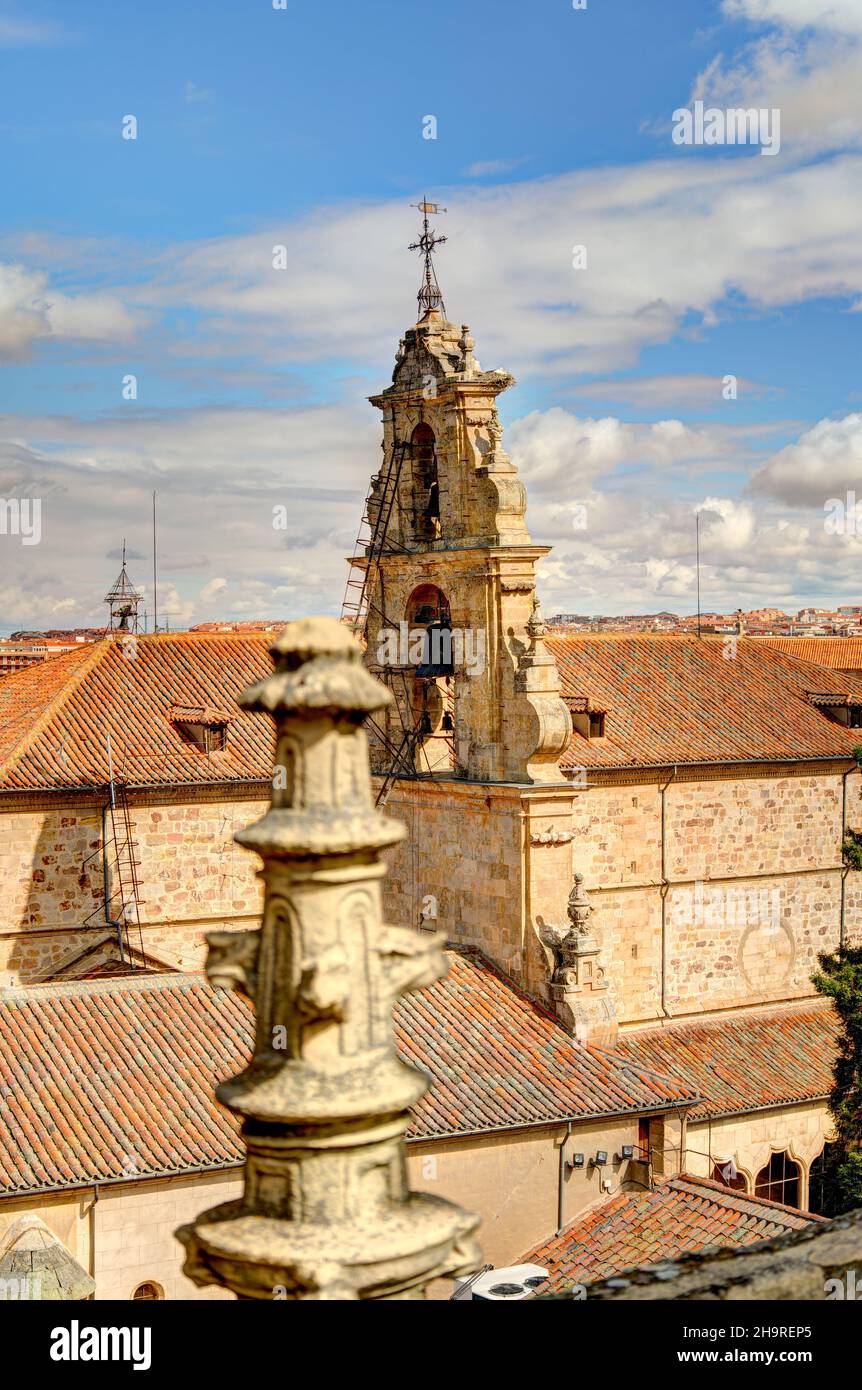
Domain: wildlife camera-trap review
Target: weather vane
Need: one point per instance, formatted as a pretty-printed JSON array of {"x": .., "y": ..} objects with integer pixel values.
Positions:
[{"x": 430, "y": 295}]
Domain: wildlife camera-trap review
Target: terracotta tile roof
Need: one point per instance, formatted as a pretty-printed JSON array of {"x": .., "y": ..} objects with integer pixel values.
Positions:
[
  {"x": 106, "y": 1078},
  {"x": 55, "y": 716},
  {"x": 772, "y": 1057},
  {"x": 838, "y": 653},
  {"x": 681, "y": 1216},
  {"x": 679, "y": 699},
  {"x": 500, "y": 1059}
]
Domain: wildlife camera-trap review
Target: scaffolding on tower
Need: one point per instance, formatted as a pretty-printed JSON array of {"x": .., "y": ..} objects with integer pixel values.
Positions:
[{"x": 365, "y": 588}]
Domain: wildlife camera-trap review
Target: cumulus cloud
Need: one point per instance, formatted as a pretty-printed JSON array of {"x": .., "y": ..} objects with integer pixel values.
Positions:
[
  {"x": 554, "y": 448},
  {"x": 843, "y": 15},
  {"x": 30, "y": 309},
  {"x": 223, "y": 478},
  {"x": 808, "y": 65},
  {"x": 826, "y": 461}
]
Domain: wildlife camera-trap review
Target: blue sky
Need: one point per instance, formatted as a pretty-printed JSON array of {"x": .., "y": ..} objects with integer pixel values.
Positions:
[{"x": 303, "y": 127}]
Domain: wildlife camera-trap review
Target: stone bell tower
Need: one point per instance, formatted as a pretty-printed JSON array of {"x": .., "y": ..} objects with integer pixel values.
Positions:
[
  {"x": 451, "y": 620},
  {"x": 443, "y": 588}
]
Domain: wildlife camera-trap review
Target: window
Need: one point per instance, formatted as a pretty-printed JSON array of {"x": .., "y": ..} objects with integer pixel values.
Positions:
[
  {"x": 202, "y": 726},
  {"x": 779, "y": 1180},
  {"x": 148, "y": 1293},
  {"x": 597, "y": 725},
  {"x": 210, "y": 738},
  {"x": 729, "y": 1176},
  {"x": 855, "y": 717},
  {"x": 426, "y": 490},
  {"x": 818, "y": 1183}
]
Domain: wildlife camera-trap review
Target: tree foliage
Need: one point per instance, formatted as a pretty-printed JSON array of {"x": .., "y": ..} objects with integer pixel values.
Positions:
[{"x": 840, "y": 979}]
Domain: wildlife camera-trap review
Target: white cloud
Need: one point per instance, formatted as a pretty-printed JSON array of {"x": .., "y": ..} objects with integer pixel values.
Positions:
[
  {"x": 485, "y": 168},
  {"x": 826, "y": 461},
  {"x": 554, "y": 448},
  {"x": 668, "y": 244},
  {"x": 688, "y": 390},
  {"x": 219, "y": 475},
  {"x": 843, "y": 15},
  {"x": 30, "y": 310},
  {"x": 808, "y": 65}
]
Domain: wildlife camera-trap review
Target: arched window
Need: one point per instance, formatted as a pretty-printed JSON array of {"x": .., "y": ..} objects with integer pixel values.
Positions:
[
  {"x": 148, "y": 1293},
  {"x": 819, "y": 1195},
  {"x": 729, "y": 1176},
  {"x": 426, "y": 489},
  {"x": 779, "y": 1180}
]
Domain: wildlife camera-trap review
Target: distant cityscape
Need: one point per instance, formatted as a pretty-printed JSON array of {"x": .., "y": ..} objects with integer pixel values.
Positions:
[
  {"x": 28, "y": 646},
  {"x": 845, "y": 621}
]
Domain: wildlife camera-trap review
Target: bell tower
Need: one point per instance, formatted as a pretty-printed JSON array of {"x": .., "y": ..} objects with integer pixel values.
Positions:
[
  {"x": 443, "y": 582},
  {"x": 442, "y": 587}
]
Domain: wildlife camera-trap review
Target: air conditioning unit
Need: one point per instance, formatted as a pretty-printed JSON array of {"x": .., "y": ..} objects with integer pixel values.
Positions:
[{"x": 504, "y": 1285}]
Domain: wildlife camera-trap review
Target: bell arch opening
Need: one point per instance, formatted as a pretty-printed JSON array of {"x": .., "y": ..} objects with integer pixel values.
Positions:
[
  {"x": 425, "y": 484},
  {"x": 433, "y": 702}
]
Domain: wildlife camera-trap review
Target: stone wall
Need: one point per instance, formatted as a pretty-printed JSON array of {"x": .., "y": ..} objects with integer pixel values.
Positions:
[
  {"x": 510, "y": 1179},
  {"x": 135, "y": 1241},
  {"x": 752, "y": 864},
  {"x": 750, "y": 1140},
  {"x": 753, "y": 874},
  {"x": 126, "y": 1237},
  {"x": 192, "y": 879}
]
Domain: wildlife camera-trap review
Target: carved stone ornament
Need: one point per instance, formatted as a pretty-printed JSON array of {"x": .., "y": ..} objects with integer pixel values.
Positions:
[
  {"x": 325, "y": 1212},
  {"x": 577, "y": 986}
]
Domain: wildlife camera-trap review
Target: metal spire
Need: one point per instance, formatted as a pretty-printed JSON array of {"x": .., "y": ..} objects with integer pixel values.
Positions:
[{"x": 430, "y": 295}]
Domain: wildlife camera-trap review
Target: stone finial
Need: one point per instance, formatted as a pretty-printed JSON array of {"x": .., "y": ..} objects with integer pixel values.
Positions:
[
  {"x": 536, "y": 624},
  {"x": 326, "y": 1212},
  {"x": 578, "y": 986},
  {"x": 466, "y": 343},
  {"x": 580, "y": 908}
]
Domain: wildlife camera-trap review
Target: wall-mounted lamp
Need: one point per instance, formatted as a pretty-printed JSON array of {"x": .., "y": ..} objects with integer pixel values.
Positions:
[
  {"x": 600, "y": 1159},
  {"x": 627, "y": 1151},
  {"x": 576, "y": 1161}
]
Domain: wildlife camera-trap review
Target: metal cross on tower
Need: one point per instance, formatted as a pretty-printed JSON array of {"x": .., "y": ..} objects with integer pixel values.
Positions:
[{"x": 430, "y": 295}]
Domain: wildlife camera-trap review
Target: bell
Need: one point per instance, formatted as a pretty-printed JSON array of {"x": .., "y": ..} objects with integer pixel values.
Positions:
[
  {"x": 448, "y": 724},
  {"x": 425, "y": 726}
]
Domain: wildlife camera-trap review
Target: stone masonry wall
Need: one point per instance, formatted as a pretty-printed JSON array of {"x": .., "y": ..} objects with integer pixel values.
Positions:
[
  {"x": 192, "y": 879},
  {"x": 753, "y": 888},
  {"x": 750, "y": 1140}
]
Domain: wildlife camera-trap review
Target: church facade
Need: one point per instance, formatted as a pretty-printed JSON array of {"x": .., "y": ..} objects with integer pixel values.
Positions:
[{"x": 644, "y": 832}]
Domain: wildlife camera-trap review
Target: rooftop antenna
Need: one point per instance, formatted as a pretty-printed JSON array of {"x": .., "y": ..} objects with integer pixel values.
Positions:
[
  {"x": 155, "y": 593},
  {"x": 430, "y": 295},
  {"x": 697, "y": 553}
]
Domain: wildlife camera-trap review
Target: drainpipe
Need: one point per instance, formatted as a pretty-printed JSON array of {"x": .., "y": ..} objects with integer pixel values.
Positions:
[
  {"x": 845, "y": 868},
  {"x": 561, "y": 1187},
  {"x": 665, "y": 885},
  {"x": 91, "y": 1215}
]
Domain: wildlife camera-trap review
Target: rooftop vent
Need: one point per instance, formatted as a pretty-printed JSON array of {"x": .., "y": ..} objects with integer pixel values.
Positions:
[{"x": 508, "y": 1285}]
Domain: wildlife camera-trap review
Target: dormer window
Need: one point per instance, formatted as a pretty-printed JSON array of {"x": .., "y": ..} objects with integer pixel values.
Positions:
[
  {"x": 202, "y": 726},
  {"x": 590, "y": 723},
  {"x": 840, "y": 707}
]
